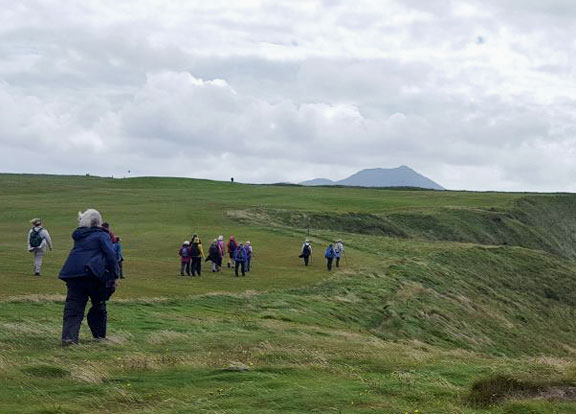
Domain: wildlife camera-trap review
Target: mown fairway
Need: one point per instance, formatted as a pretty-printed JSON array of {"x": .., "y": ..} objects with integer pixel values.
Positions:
[{"x": 438, "y": 291}]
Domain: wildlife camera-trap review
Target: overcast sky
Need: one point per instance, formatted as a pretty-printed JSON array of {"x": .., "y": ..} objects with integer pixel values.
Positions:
[{"x": 477, "y": 94}]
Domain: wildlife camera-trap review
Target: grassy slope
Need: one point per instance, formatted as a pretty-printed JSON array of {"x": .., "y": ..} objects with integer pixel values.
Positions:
[{"x": 409, "y": 325}]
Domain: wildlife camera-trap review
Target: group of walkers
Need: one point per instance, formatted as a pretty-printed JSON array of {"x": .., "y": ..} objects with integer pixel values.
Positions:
[
  {"x": 333, "y": 251},
  {"x": 94, "y": 266},
  {"x": 192, "y": 254}
]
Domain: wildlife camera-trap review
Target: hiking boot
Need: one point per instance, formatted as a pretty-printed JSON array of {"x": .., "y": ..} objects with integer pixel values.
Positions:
[
  {"x": 69, "y": 342},
  {"x": 36, "y": 273}
]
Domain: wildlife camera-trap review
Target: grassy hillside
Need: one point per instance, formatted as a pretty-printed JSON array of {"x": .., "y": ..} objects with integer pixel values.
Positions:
[{"x": 447, "y": 302}]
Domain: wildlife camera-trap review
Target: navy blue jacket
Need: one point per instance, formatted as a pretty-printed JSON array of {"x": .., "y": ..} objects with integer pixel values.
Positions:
[
  {"x": 330, "y": 254},
  {"x": 92, "y": 254},
  {"x": 240, "y": 254}
]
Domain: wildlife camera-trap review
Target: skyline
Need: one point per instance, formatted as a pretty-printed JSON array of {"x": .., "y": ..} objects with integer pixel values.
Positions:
[{"x": 474, "y": 95}]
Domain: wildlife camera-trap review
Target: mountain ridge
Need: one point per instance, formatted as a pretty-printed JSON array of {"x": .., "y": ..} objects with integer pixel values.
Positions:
[{"x": 402, "y": 176}]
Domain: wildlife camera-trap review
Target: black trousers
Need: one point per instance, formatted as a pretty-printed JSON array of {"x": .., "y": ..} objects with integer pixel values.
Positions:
[
  {"x": 306, "y": 260},
  {"x": 337, "y": 262},
  {"x": 329, "y": 263},
  {"x": 196, "y": 266},
  {"x": 79, "y": 290},
  {"x": 242, "y": 265}
]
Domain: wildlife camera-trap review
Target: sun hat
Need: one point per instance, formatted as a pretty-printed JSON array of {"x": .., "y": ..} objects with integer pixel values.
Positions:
[
  {"x": 36, "y": 221},
  {"x": 186, "y": 242}
]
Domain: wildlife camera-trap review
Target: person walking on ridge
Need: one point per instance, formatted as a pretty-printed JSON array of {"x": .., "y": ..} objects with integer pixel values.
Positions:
[
  {"x": 120, "y": 256},
  {"x": 184, "y": 254},
  {"x": 215, "y": 256},
  {"x": 240, "y": 260},
  {"x": 222, "y": 249},
  {"x": 38, "y": 240},
  {"x": 197, "y": 255},
  {"x": 338, "y": 251},
  {"x": 306, "y": 252},
  {"x": 231, "y": 245},
  {"x": 249, "y": 255},
  {"x": 329, "y": 255}
]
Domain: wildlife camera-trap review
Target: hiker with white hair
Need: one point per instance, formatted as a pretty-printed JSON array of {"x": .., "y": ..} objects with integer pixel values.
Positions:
[
  {"x": 215, "y": 256},
  {"x": 38, "y": 240},
  {"x": 185, "y": 258},
  {"x": 249, "y": 255},
  {"x": 306, "y": 252},
  {"x": 90, "y": 272},
  {"x": 221, "y": 248},
  {"x": 338, "y": 251}
]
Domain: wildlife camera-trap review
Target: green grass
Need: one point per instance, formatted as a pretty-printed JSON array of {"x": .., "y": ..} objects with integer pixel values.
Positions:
[{"x": 441, "y": 294}]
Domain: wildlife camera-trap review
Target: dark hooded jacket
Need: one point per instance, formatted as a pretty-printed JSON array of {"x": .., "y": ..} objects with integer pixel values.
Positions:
[
  {"x": 92, "y": 254},
  {"x": 214, "y": 254}
]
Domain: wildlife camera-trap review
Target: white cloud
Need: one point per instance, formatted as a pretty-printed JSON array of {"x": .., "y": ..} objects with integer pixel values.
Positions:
[{"x": 291, "y": 90}]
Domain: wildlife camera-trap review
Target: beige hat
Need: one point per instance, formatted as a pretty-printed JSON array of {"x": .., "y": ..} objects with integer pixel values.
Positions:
[{"x": 36, "y": 221}]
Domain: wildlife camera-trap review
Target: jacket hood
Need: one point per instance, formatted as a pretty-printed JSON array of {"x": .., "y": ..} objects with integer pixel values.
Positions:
[{"x": 83, "y": 232}]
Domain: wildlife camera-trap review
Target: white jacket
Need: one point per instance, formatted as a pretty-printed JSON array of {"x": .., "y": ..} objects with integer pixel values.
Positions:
[{"x": 46, "y": 240}]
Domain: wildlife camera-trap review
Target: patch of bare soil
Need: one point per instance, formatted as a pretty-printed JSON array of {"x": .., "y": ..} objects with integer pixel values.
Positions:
[{"x": 556, "y": 393}]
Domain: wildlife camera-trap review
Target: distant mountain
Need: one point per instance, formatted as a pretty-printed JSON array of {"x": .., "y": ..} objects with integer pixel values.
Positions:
[
  {"x": 381, "y": 177},
  {"x": 318, "y": 181}
]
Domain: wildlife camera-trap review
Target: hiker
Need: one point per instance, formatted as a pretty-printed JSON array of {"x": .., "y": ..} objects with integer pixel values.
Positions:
[
  {"x": 119, "y": 256},
  {"x": 249, "y": 255},
  {"x": 197, "y": 255},
  {"x": 338, "y": 251},
  {"x": 106, "y": 227},
  {"x": 231, "y": 245},
  {"x": 38, "y": 240},
  {"x": 184, "y": 254},
  {"x": 91, "y": 271},
  {"x": 222, "y": 249},
  {"x": 306, "y": 252},
  {"x": 240, "y": 259},
  {"x": 215, "y": 256},
  {"x": 329, "y": 255}
]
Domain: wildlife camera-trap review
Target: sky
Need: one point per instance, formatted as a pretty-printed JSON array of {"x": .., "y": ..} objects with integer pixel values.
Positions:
[{"x": 474, "y": 94}]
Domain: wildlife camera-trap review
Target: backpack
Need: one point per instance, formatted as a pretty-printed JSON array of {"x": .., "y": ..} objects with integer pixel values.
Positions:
[
  {"x": 35, "y": 239},
  {"x": 240, "y": 254},
  {"x": 329, "y": 253},
  {"x": 306, "y": 250},
  {"x": 194, "y": 250},
  {"x": 232, "y": 245}
]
